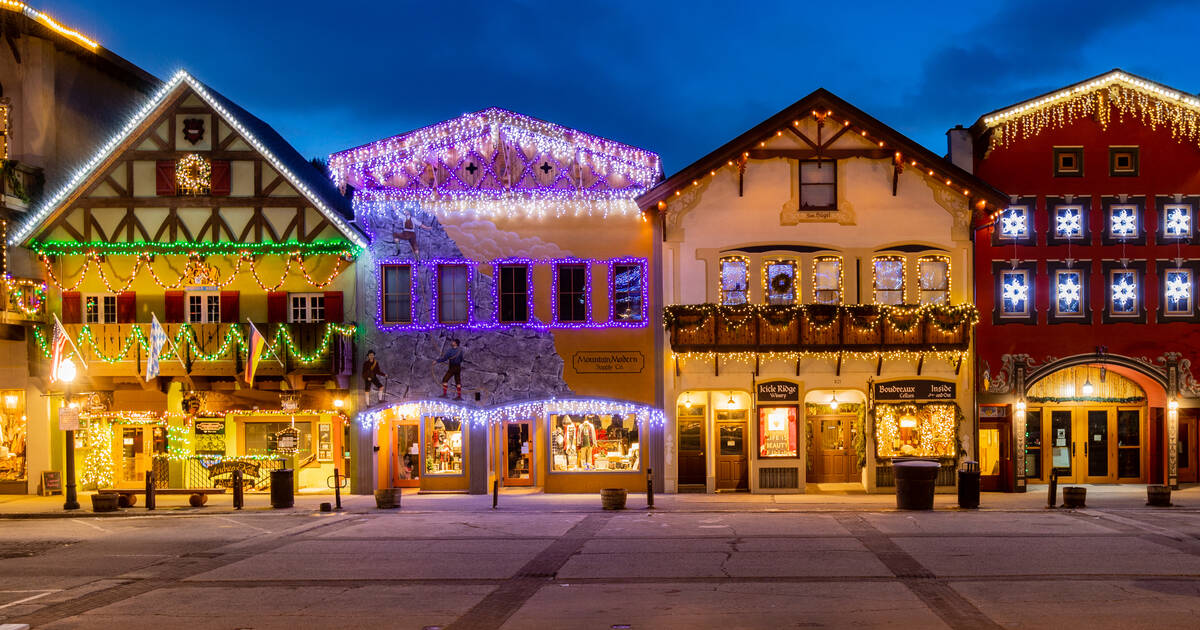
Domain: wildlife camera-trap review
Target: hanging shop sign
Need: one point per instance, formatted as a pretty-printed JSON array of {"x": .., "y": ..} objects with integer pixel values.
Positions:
[
  {"x": 324, "y": 442},
  {"x": 210, "y": 427},
  {"x": 778, "y": 391},
  {"x": 287, "y": 441},
  {"x": 914, "y": 389},
  {"x": 608, "y": 362}
]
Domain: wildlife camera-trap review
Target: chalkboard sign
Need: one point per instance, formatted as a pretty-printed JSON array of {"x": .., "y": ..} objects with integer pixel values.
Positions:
[{"x": 51, "y": 483}]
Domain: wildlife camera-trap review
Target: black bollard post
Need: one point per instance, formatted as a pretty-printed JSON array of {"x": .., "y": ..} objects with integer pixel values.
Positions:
[
  {"x": 650, "y": 488},
  {"x": 495, "y": 493},
  {"x": 337, "y": 489},
  {"x": 1052, "y": 489},
  {"x": 150, "y": 490},
  {"x": 238, "y": 499}
]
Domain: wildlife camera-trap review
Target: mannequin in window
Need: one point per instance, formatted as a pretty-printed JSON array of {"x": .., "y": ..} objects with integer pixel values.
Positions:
[
  {"x": 571, "y": 442},
  {"x": 587, "y": 441}
]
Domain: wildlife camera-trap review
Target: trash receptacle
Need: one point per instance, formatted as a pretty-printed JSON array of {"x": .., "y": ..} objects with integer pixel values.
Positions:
[
  {"x": 968, "y": 485},
  {"x": 915, "y": 481},
  {"x": 282, "y": 495}
]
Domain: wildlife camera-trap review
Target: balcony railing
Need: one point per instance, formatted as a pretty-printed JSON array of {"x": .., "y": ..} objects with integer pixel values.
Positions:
[
  {"x": 818, "y": 328},
  {"x": 208, "y": 349}
]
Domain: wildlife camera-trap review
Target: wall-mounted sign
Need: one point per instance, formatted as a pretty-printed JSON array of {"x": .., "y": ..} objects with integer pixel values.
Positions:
[
  {"x": 287, "y": 441},
  {"x": 914, "y": 389},
  {"x": 210, "y": 427},
  {"x": 68, "y": 418},
  {"x": 778, "y": 391},
  {"x": 608, "y": 362}
]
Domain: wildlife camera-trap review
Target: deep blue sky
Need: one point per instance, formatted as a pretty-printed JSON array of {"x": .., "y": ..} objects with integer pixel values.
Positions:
[{"x": 677, "y": 78}]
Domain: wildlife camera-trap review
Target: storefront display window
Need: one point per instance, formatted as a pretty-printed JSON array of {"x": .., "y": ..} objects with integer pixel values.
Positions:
[
  {"x": 12, "y": 435},
  {"x": 777, "y": 432},
  {"x": 594, "y": 443},
  {"x": 916, "y": 430},
  {"x": 444, "y": 445},
  {"x": 262, "y": 438}
]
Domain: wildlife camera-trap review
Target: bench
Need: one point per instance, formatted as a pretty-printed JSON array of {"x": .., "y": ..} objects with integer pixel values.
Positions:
[{"x": 128, "y": 497}]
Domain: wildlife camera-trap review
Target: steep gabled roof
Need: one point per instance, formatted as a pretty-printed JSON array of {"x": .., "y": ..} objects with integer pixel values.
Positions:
[
  {"x": 303, "y": 176},
  {"x": 907, "y": 151},
  {"x": 1131, "y": 95}
]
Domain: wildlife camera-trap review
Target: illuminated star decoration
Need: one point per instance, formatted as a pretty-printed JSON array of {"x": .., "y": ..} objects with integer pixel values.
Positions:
[
  {"x": 1124, "y": 222},
  {"x": 1178, "y": 221},
  {"x": 1068, "y": 293},
  {"x": 1124, "y": 291},
  {"x": 1013, "y": 223},
  {"x": 1069, "y": 222},
  {"x": 1015, "y": 292},
  {"x": 1179, "y": 289}
]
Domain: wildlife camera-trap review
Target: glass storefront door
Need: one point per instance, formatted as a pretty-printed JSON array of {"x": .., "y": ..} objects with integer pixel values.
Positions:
[
  {"x": 1090, "y": 444},
  {"x": 406, "y": 460},
  {"x": 518, "y": 453},
  {"x": 131, "y": 455}
]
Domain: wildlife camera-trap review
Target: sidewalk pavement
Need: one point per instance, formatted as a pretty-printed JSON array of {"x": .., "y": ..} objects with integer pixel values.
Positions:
[{"x": 527, "y": 500}]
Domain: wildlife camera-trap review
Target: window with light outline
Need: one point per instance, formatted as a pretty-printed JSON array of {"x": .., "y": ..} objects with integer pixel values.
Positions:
[
  {"x": 572, "y": 291},
  {"x": 452, "y": 293},
  {"x": 779, "y": 282},
  {"x": 733, "y": 282},
  {"x": 1015, "y": 293},
  {"x": 1177, "y": 292},
  {"x": 1068, "y": 292},
  {"x": 397, "y": 286},
  {"x": 827, "y": 280},
  {"x": 1124, "y": 294},
  {"x": 513, "y": 291},
  {"x": 1014, "y": 223},
  {"x": 933, "y": 275},
  {"x": 887, "y": 280},
  {"x": 628, "y": 291}
]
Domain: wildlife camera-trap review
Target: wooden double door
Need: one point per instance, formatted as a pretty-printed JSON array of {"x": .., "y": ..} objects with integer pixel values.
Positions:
[{"x": 833, "y": 449}]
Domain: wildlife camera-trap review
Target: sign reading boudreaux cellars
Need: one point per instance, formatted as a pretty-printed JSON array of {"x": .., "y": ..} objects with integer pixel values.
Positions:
[
  {"x": 778, "y": 391},
  {"x": 915, "y": 389}
]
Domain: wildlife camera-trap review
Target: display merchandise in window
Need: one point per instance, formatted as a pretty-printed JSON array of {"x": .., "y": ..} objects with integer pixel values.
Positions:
[
  {"x": 916, "y": 430},
  {"x": 594, "y": 443},
  {"x": 262, "y": 438},
  {"x": 13, "y": 432},
  {"x": 443, "y": 445},
  {"x": 777, "y": 432}
]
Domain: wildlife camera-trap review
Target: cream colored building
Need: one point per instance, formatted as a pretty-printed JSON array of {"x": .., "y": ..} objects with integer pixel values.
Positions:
[{"x": 817, "y": 272}]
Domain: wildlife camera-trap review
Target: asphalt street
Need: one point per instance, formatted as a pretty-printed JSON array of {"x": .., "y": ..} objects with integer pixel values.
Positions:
[{"x": 580, "y": 567}]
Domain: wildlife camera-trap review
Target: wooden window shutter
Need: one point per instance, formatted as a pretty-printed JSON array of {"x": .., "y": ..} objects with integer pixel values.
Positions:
[
  {"x": 173, "y": 311},
  {"x": 72, "y": 307},
  {"x": 333, "y": 306},
  {"x": 219, "y": 182},
  {"x": 164, "y": 178},
  {"x": 277, "y": 307},
  {"x": 126, "y": 307},
  {"x": 230, "y": 301}
]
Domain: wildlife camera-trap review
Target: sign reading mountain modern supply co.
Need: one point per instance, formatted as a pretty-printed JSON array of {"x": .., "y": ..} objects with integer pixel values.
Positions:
[
  {"x": 778, "y": 391},
  {"x": 915, "y": 389}
]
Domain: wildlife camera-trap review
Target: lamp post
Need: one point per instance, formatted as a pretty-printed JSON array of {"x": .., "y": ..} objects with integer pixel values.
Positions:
[{"x": 66, "y": 373}]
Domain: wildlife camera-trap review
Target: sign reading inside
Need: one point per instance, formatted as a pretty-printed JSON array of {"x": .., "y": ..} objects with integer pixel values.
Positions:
[
  {"x": 914, "y": 389},
  {"x": 778, "y": 391},
  {"x": 608, "y": 362}
]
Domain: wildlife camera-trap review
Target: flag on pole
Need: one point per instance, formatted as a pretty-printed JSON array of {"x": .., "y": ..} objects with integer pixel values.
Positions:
[
  {"x": 158, "y": 337},
  {"x": 255, "y": 347},
  {"x": 57, "y": 341}
]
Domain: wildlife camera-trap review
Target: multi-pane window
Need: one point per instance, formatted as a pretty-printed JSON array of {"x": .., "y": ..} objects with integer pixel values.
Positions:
[
  {"x": 204, "y": 307},
  {"x": 100, "y": 309},
  {"x": 1068, "y": 222},
  {"x": 627, "y": 291},
  {"x": 818, "y": 185},
  {"x": 1068, "y": 292},
  {"x": 396, "y": 294},
  {"x": 735, "y": 276},
  {"x": 306, "y": 307},
  {"x": 452, "y": 303},
  {"x": 1014, "y": 222},
  {"x": 779, "y": 278},
  {"x": 514, "y": 293},
  {"x": 1123, "y": 292},
  {"x": 1178, "y": 290},
  {"x": 933, "y": 272},
  {"x": 1123, "y": 221},
  {"x": 889, "y": 280},
  {"x": 827, "y": 280},
  {"x": 1177, "y": 222},
  {"x": 571, "y": 293},
  {"x": 1014, "y": 293}
]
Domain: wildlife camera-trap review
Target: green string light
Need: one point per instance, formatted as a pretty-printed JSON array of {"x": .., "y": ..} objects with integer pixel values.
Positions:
[{"x": 68, "y": 248}]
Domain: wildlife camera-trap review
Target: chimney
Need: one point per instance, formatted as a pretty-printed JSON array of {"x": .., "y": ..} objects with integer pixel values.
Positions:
[{"x": 961, "y": 148}]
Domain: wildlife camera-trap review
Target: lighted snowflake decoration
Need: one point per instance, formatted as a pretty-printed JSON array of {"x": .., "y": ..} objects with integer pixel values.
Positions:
[
  {"x": 1124, "y": 222},
  {"x": 1179, "y": 289},
  {"x": 1013, "y": 222},
  {"x": 1015, "y": 292},
  {"x": 1068, "y": 293},
  {"x": 1124, "y": 291},
  {"x": 1179, "y": 219},
  {"x": 1069, "y": 222}
]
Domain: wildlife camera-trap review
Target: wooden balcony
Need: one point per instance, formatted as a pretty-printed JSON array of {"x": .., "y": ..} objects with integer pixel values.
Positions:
[
  {"x": 819, "y": 328},
  {"x": 23, "y": 299},
  {"x": 211, "y": 350}
]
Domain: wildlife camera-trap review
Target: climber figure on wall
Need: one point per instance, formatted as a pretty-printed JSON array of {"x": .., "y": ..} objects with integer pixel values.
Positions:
[{"x": 453, "y": 358}]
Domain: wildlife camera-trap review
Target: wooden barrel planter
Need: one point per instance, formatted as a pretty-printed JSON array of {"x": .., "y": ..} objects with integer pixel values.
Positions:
[
  {"x": 387, "y": 498},
  {"x": 613, "y": 498},
  {"x": 1074, "y": 497},
  {"x": 1158, "y": 496},
  {"x": 105, "y": 502}
]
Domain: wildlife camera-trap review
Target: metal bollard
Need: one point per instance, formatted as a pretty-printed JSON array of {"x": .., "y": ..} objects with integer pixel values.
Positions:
[
  {"x": 238, "y": 498},
  {"x": 150, "y": 490},
  {"x": 495, "y": 493},
  {"x": 337, "y": 489},
  {"x": 1052, "y": 490},
  {"x": 650, "y": 488}
]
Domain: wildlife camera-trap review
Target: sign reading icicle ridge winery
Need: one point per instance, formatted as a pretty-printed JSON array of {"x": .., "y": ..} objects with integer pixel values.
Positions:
[
  {"x": 914, "y": 390},
  {"x": 778, "y": 391}
]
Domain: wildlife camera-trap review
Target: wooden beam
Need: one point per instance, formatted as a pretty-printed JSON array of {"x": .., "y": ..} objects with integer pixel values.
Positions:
[
  {"x": 218, "y": 154},
  {"x": 197, "y": 201},
  {"x": 810, "y": 154}
]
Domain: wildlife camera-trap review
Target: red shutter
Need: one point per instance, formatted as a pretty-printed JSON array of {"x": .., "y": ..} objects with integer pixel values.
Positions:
[
  {"x": 72, "y": 307},
  {"x": 173, "y": 311},
  {"x": 229, "y": 307},
  {"x": 277, "y": 307},
  {"x": 164, "y": 178},
  {"x": 126, "y": 307},
  {"x": 219, "y": 182},
  {"x": 333, "y": 306}
]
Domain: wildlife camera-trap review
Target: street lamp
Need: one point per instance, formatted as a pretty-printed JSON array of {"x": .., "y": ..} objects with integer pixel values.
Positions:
[{"x": 66, "y": 373}]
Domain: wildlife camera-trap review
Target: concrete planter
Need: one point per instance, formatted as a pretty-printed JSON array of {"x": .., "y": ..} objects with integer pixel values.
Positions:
[
  {"x": 1158, "y": 496},
  {"x": 387, "y": 498},
  {"x": 105, "y": 502},
  {"x": 613, "y": 498},
  {"x": 1074, "y": 497}
]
